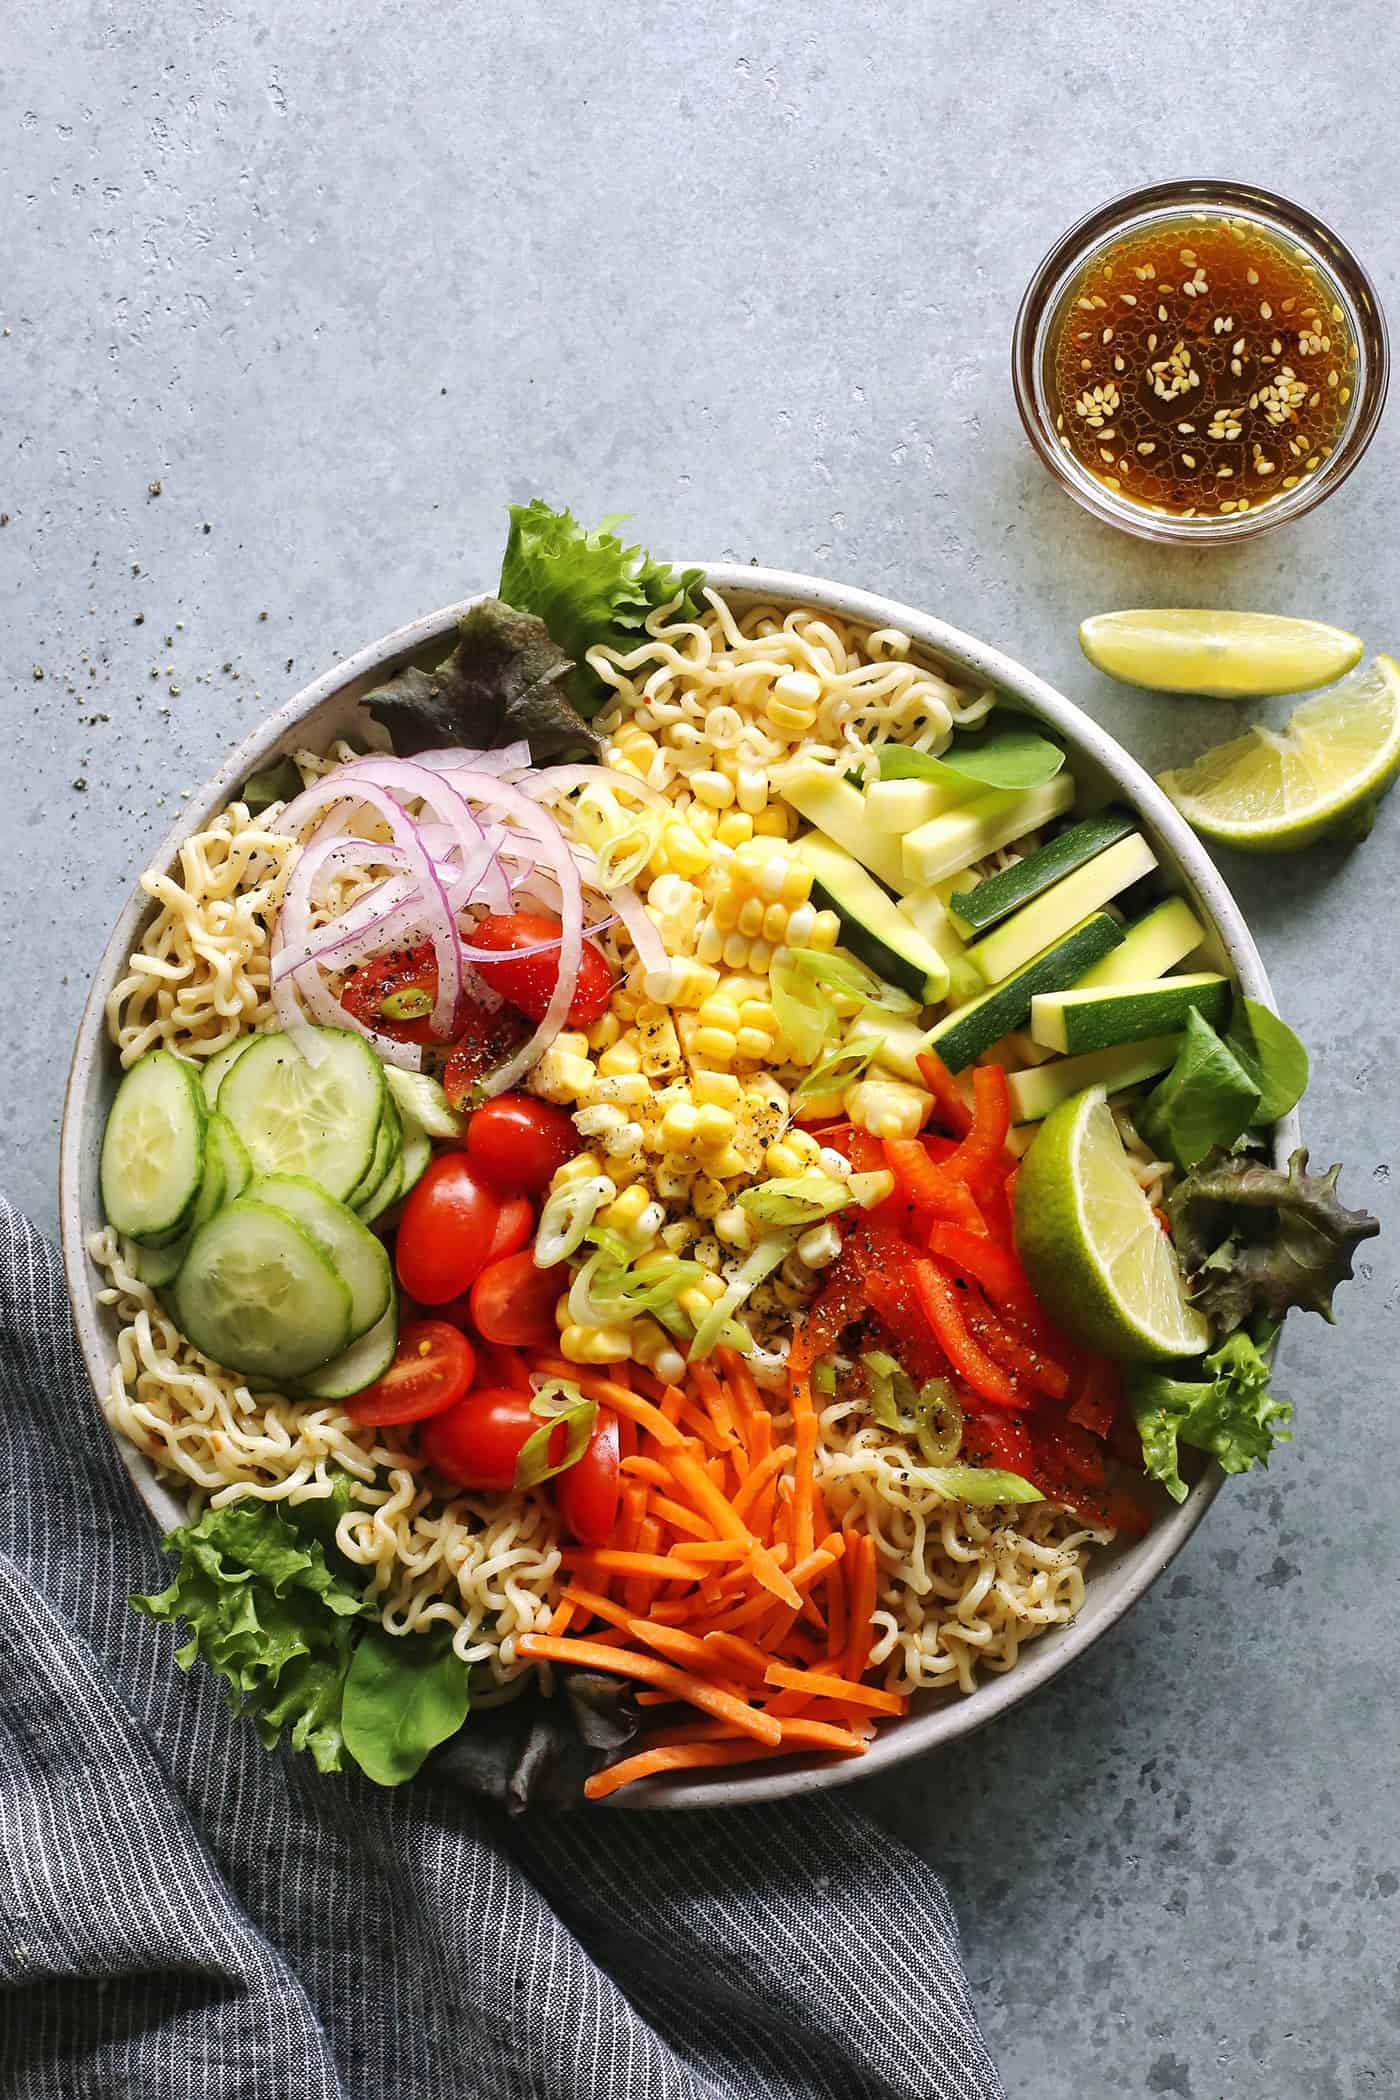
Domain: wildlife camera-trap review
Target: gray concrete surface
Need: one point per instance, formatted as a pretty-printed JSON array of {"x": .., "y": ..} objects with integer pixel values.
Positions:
[{"x": 342, "y": 281}]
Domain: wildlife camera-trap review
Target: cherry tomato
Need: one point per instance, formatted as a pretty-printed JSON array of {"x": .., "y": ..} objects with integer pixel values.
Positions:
[
  {"x": 589, "y": 1492},
  {"x": 449, "y": 1222},
  {"x": 513, "y": 1302},
  {"x": 433, "y": 1367},
  {"x": 527, "y": 984},
  {"x": 518, "y": 1143},
  {"x": 484, "y": 1041},
  {"x": 476, "y": 1443},
  {"x": 515, "y": 1227},
  {"x": 395, "y": 993}
]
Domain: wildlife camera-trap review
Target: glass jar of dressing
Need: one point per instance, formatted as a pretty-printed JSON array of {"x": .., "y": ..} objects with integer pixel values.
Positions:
[{"x": 1198, "y": 361}]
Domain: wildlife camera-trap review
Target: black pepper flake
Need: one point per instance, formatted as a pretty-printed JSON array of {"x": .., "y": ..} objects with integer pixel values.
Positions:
[
  {"x": 39, "y": 673},
  {"x": 262, "y": 615},
  {"x": 152, "y": 488},
  {"x": 80, "y": 784},
  {"x": 139, "y": 621},
  {"x": 206, "y": 528}
]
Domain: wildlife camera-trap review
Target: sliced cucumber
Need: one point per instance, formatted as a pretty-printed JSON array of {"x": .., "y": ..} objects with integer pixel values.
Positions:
[
  {"x": 417, "y": 1151},
  {"x": 360, "y": 1364},
  {"x": 1050, "y": 915},
  {"x": 965, "y": 1034},
  {"x": 352, "y": 1251},
  {"x": 256, "y": 1294},
  {"x": 158, "y": 1266},
  {"x": 153, "y": 1149},
  {"x": 421, "y": 1099},
  {"x": 1152, "y": 945},
  {"x": 873, "y": 927},
  {"x": 217, "y": 1067},
  {"x": 213, "y": 1187},
  {"x": 976, "y": 909},
  {"x": 385, "y": 1196},
  {"x": 312, "y": 1110},
  {"x": 387, "y": 1146},
  {"x": 224, "y": 1140},
  {"x": 1081, "y": 1020}
]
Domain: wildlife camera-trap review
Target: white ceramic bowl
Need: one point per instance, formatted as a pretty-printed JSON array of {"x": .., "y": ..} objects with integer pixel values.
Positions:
[{"x": 331, "y": 707}]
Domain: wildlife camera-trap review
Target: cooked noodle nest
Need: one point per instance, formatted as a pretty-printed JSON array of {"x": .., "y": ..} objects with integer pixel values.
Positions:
[{"x": 960, "y": 1590}]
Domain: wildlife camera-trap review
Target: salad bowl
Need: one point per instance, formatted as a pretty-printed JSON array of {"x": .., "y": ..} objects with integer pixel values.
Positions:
[{"x": 332, "y": 707}]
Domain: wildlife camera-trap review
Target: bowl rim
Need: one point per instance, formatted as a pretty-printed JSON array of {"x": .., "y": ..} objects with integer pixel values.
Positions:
[{"x": 1048, "y": 1655}]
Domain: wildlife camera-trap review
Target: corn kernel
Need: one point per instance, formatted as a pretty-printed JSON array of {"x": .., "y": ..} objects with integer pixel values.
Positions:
[
  {"x": 736, "y": 950},
  {"x": 819, "y": 1247},
  {"x": 636, "y": 746},
  {"x": 678, "y": 1127},
  {"x": 628, "y": 1089},
  {"x": 652, "y": 1346},
  {"x": 760, "y": 954},
  {"x": 710, "y": 1255},
  {"x": 718, "y": 1011},
  {"x": 773, "y": 822},
  {"x": 782, "y": 1159},
  {"x": 596, "y": 1345},
  {"x": 604, "y": 1032},
  {"x": 621, "y": 1056},
  {"x": 671, "y": 1179},
  {"x": 714, "y": 1046},
  {"x": 721, "y": 1088},
  {"x": 791, "y": 1296},
  {"x": 562, "y": 1316},
  {"x": 826, "y": 931},
  {"x": 709, "y": 948},
  {"x": 676, "y": 1238},
  {"x": 733, "y": 1227},
  {"x": 799, "y": 926},
  {"x": 753, "y": 1044},
  {"x": 734, "y": 829},
  {"x": 724, "y": 912},
  {"x": 750, "y": 919},
  {"x": 888, "y": 1108},
  {"x": 751, "y": 790},
  {"x": 565, "y": 1072},
  {"x": 685, "y": 850},
  {"x": 713, "y": 788},
  {"x": 708, "y": 1197},
  {"x": 582, "y": 1167},
  {"x": 713, "y": 1126},
  {"x": 775, "y": 924}
]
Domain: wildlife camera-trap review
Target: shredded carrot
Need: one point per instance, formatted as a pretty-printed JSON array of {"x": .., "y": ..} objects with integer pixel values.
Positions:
[
  {"x": 860, "y": 1563},
  {"x": 696, "y": 1482},
  {"x": 539, "y": 1647},
  {"x": 562, "y": 1617},
  {"x": 679, "y": 1757},
  {"x": 640, "y": 1588},
  {"x": 666, "y": 1511},
  {"x": 768, "y": 1468},
  {"x": 822, "y": 1686},
  {"x": 649, "y": 1469},
  {"x": 613, "y": 1395},
  {"x": 834, "y": 1585},
  {"x": 614, "y": 1560},
  {"x": 711, "y": 1549}
]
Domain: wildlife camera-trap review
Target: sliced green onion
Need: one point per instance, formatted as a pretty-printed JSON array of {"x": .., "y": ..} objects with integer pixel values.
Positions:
[
  {"x": 805, "y": 1016},
  {"x": 890, "y": 1388},
  {"x": 843, "y": 1067},
  {"x": 795, "y": 1199},
  {"x": 848, "y": 979},
  {"x": 410, "y": 1003},
  {"x": 558, "y": 1403},
  {"x": 566, "y": 1217},
  {"x": 938, "y": 1422},
  {"x": 824, "y": 1377},
  {"x": 982, "y": 1486},
  {"x": 761, "y": 1262},
  {"x": 605, "y": 1291}
]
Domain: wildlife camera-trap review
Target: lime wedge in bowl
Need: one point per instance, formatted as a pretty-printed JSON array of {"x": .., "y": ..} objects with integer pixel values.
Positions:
[
  {"x": 1097, "y": 1258},
  {"x": 1320, "y": 776},
  {"x": 1221, "y": 655}
]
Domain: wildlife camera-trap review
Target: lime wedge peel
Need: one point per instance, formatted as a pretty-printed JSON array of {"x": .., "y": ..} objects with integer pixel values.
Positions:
[
  {"x": 1091, "y": 1243},
  {"x": 1219, "y": 655},
  {"x": 1320, "y": 776}
]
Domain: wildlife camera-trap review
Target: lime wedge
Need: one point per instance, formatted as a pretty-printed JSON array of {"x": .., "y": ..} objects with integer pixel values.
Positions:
[
  {"x": 1223, "y": 655},
  {"x": 1096, "y": 1256},
  {"x": 1320, "y": 776}
]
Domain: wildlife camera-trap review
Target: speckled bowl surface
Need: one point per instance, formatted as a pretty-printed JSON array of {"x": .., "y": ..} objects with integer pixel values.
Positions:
[{"x": 331, "y": 707}]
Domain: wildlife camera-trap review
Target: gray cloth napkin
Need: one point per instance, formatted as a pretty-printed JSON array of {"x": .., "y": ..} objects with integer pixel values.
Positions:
[{"x": 185, "y": 1915}]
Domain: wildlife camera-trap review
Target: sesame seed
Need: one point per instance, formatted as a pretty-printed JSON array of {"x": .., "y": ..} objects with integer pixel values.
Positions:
[
  {"x": 1188, "y": 459},
  {"x": 1290, "y": 481},
  {"x": 1252, "y": 276},
  {"x": 1106, "y": 453},
  {"x": 1332, "y": 377},
  {"x": 1312, "y": 462},
  {"x": 1345, "y": 394},
  {"x": 1152, "y": 342},
  {"x": 1161, "y": 313},
  {"x": 1236, "y": 367},
  {"x": 1224, "y": 473},
  {"x": 1111, "y": 481},
  {"x": 1100, "y": 303},
  {"x": 1118, "y": 364},
  {"x": 1108, "y": 335},
  {"x": 1264, "y": 466},
  {"x": 1276, "y": 346},
  {"x": 1188, "y": 256},
  {"x": 1087, "y": 305},
  {"x": 1225, "y": 509},
  {"x": 1146, "y": 448},
  {"x": 1266, "y": 312},
  {"x": 1187, "y": 429},
  {"x": 1239, "y": 346},
  {"x": 1314, "y": 400},
  {"x": 1336, "y": 313},
  {"x": 1128, "y": 298},
  {"x": 1243, "y": 503}
]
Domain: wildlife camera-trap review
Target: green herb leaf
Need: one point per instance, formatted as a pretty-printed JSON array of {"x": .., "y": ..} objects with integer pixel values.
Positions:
[
  {"x": 280, "y": 782},
  {"x": 559, "y": 1405},
  {"x": 843, "y": 1068},
  {"x": 590, "y": 590},
  {"x": 1009, "y": 755},
  {"x": 270, "y": 1613},
  {"x": 1255, "y": 1241},
  {"x": 403, "y": 1696},
  {"x": 1231, "y": 1413},
  {"x": 503, "y": 681},
  {"x": 1271, "y": 1054},
  {"x": 1205, "y": 1100}
]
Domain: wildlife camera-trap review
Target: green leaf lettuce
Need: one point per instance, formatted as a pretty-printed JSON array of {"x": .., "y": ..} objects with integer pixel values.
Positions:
[{"x": 1231, "y": 1413}]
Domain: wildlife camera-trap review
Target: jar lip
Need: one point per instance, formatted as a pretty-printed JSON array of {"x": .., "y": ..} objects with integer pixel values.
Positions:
[{"x": 1097, "y": 227}]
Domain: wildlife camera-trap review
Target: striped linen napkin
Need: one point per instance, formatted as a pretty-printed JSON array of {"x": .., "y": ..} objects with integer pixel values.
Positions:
[{"x": 186, "y": 1917}]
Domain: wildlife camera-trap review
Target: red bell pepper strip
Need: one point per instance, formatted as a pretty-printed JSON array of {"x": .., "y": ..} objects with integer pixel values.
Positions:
[
  {"x": 931, "y": 1189},
  {"x": 939, "y": 1296},
  {"x": 981, "y": 1149},
  {"x": 997, "y": 1440},
  {"x": 947, "y": 1095},
  {"x": 993, "y": 1265},
  {"x": 1020, "y": 1357},
  {"x": 1096, "y": 1392}
]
